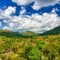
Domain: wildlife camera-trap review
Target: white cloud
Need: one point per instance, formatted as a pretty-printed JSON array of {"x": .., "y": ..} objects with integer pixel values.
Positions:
[
  {"x": 0, "y": 24},
  {"x": 54, "y": 10},
  {"x": 43, "y": 3},
  {"x": 9, "y": 11},
  {"x": 22, "y": 2},
  {"x": 23, "y": 11},
  {"x": 6, "y": 28},
  {"x": 35, "y": 22},
  {"x": 37, "y": 3}
]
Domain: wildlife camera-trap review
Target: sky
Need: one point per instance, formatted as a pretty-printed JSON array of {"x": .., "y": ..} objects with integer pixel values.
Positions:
[{"x": 29, "y": 15}]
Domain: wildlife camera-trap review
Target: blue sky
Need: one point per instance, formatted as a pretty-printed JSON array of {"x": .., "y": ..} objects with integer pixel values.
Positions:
[
  {"x": 5, "y": 3},
  {"x": 32, "y": 11}
]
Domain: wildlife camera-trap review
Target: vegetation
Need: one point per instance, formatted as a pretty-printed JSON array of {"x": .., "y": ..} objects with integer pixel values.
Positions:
[
  {"x": 53, "y": 31},
  {"x": 15, "y": 46}
]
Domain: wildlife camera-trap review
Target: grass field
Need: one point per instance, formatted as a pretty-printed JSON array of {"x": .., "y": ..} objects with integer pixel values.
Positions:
[{"x": 29, "y": 46}]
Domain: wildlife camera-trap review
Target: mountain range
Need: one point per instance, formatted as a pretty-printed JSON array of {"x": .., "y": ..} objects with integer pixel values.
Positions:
[{"x": 8, "y": 33}]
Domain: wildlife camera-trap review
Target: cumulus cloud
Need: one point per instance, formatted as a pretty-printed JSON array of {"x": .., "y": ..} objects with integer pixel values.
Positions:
[
  {"x": 37, "y": 3},
  {"x": 43, "y": 3},
  {"x": 22, "y": 2},
  {"x": 35, "y": 22},
  {"x": 7, "y": 12}
]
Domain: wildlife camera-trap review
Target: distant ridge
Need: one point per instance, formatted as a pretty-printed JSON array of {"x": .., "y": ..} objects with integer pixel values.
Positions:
[
  {"x": 53, "y": 31},
  {"x": 5, "y": 30},
  {"x": 9, "y": 33},
  {"x": 29, "y": 33}
]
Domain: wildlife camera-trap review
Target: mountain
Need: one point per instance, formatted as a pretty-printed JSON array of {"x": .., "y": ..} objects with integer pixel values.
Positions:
[
  {"x": 29, "y": 33},
  {"x": 53, "y": 31},
  {"x": 9, "y": 33}
]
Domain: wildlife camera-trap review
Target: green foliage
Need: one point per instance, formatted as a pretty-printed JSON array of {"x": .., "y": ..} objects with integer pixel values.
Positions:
[
  {"x": 33, "y": 54},
  {"x": 40, "y": 44},
  {"x": 15, "y": 46}
]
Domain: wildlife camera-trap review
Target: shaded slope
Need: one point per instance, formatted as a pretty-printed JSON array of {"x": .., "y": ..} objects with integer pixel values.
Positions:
[
  {"x": 8, "y": 33},
  {"x": 53, "y": 31}
]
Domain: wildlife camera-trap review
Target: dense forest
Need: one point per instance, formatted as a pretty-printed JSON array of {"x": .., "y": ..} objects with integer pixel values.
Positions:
[{"x": 29, "y": 46}]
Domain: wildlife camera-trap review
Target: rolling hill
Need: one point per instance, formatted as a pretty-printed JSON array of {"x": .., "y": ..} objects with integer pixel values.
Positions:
[
  {"x": 8, "y": 33},
  {"x": 54, "y": 31}
]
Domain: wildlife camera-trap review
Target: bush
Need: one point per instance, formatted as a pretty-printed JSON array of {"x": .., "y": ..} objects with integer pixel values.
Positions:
[{"x": 33, "y": 53}]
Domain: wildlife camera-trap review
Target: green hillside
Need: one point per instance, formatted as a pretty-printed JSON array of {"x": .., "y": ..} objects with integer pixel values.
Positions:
[
  {"x": 29, "y": 46},
  {"x": 53, "y": 31}
]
